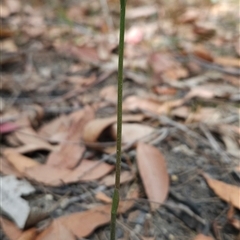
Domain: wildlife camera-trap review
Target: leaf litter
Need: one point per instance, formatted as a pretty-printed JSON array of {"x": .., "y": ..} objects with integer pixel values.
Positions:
[{"x": 58, "y": 116}]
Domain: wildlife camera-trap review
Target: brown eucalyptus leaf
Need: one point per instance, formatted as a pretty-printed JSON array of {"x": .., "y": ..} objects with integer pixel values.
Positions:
[
  {"x": 153, "y": 172},
  {"x": 56, "y": 231},
  {"x": 71, "y": 151},
  {"x": 10, "y": 229},
  {"x": 20, "y": 162},
  {"x": 55, "y": 176},
  {"x": 94, "y": 128},
  {"x": 8, "y": 169},
  {"x": 227, "y": 192},
  {"x": 132, "y": 131},
  {"x": 109, "y": 180},
  {"x": 88, "y": 170}
]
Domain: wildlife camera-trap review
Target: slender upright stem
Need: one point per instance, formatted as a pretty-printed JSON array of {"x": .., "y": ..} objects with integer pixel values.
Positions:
[{"x": 115, "y": 201}]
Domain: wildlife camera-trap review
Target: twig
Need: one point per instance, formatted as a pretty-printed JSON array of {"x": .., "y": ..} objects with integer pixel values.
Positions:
[{"x": 214, "y": 144}]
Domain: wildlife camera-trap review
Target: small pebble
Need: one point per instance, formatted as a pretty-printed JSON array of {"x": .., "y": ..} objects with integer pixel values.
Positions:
[
  {"x": 174, "y": 178},
  {"x": 137, "y": 228},
  {"x": 171, "y": 237},
  {"x": 49, "y": 197}
]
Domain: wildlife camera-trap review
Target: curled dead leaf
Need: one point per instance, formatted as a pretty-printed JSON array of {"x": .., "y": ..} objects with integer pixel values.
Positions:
[
  {"x": 132, "y": 131},
  {"x": 94, "y": 128},
  {"x": 20, "y": 162}
]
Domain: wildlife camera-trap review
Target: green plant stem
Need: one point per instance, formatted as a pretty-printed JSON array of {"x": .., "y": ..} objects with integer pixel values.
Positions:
[{"x": 115, "y": 201}]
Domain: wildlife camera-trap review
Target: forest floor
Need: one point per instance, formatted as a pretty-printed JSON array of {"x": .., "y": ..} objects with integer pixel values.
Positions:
[{"x": 180, "y": 161}]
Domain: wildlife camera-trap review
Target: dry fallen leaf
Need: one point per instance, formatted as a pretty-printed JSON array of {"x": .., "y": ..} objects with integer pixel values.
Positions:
[
  {"x": 191, "y": 15},
  {"x": 153, "y": 172},
  {"x": 202, "y": 237},
  {"x": 46, "y": 174},
  {"x": 228, "y": 61},
  {"x": 200, "y": 92},
  {"x": 67, "y": 156},
  {"x": 203, "y": 53},
  {"x": 204, "y": 29},
  {"x": 109, "y": 94},
  {"x": 205, "y": 115},
  {"x": 20, "y": 162},
  {"x": 84, "y": 223},
  {"x": 29, "y": 234},
  {"x": 132, "y": 131},
  {"x": 94, "y": 128},
  {"x": 133, "y": 103},
  {"x": 88, "y": 170},
  {"x": 236, "y": 223},
  {"x": 54, "y": 176},
  {"x": 228, "y": 193},
  {"x": 27, "y": 135},
  {"x": 109, "y": 180},
  {"x": 230, "y": 216},
  {"x": 14, "y": 233},
  {"x": 83, "y": 53},
  {"x": 10, "y": 229},
  {"x": 56, "y": 126},
  {"x": 71, "y": 151},
  {"x": 181, "y": 112},
  {"x": 56, "y": 231},
  {"x": 14, "y": 6},
  {"x": 7, "y": 168},
  {"x": 103, "y": 197},
  {"x": 165, "y": 90}
]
